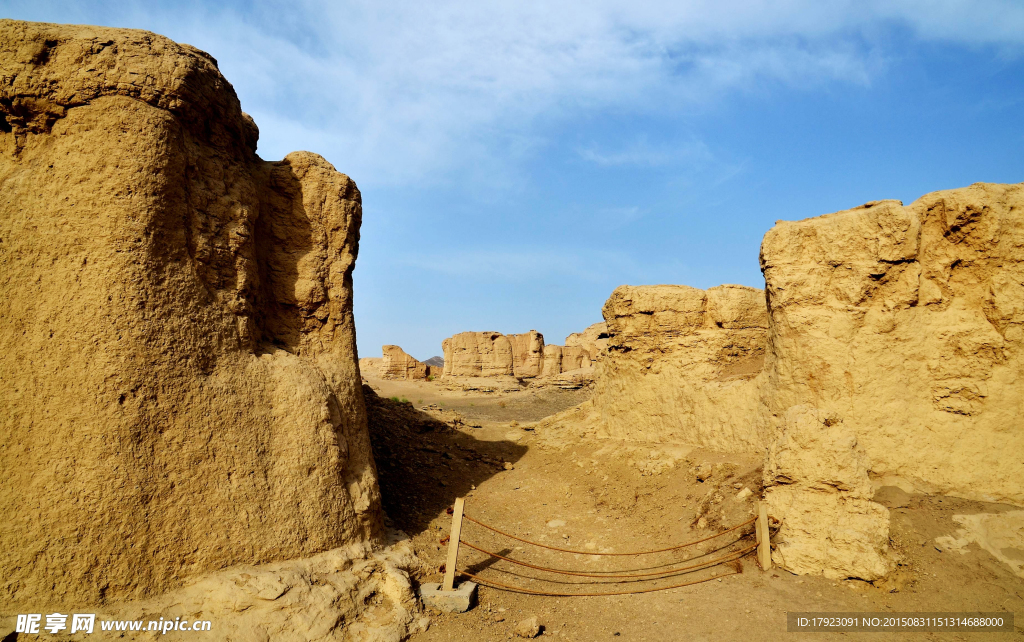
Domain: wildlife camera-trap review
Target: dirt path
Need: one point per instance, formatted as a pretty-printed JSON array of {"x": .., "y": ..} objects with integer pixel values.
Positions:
[
  {"x": 530, "y": 404},
  {"x": 609, "y": 496}
]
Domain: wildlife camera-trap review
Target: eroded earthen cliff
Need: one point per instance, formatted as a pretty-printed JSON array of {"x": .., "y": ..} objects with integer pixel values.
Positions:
[
  {"x": 177, "y": 360},
  {"x": 905, "y": 324},
  {"x": 682, "y": 365},
  {"x": 396, "y": 364}
]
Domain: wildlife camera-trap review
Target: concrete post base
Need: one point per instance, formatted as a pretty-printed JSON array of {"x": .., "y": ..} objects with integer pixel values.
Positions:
[{"x": 457, "y": 601}]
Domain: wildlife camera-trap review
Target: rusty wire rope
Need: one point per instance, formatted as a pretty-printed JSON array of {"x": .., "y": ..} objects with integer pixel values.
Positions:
[
  {"x": 569, "y": 550},
  {"x": 519, "y": 589},
  {"x": 730, "y": 557},
  {"x": 626, "y": 577},
  {"x": 606, "y": 574},
  {"x": 634, "y": 570}
]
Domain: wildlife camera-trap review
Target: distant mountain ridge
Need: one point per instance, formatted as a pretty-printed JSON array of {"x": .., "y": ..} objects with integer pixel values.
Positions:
[{"x": 435, "y": 361}]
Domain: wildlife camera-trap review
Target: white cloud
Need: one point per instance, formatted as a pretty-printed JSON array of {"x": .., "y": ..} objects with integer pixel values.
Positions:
[
  {"x": 408, "y": 92},
  {"x": 499, "y": 264},
  {"x": 641, "y": 152}
]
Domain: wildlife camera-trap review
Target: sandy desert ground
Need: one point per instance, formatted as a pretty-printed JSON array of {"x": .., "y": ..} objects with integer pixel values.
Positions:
[{"x": 617, "y": 496}]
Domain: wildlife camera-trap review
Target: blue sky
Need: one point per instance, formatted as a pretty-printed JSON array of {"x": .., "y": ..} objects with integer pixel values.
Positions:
[{"x": 519, "y": 160}]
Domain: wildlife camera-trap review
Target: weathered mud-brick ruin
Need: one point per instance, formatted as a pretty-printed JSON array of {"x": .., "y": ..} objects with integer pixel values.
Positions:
[
  {"x": 887, "y": 351},
  {"x": 396, "y": 364},
  {"x": 898, "y": 330},
  {"x": 179, "y": 375},
  {"x": 683, "y": 365},
  {"x": 524, "y": 356}
]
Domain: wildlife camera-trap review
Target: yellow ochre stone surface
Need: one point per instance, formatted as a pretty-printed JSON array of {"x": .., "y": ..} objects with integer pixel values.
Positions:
[
  {"x": 396, "y": 364},
  {"x": 907, "y": 323},
  {"x": 886, "y": 349},
  {"x": 682, "y": 365},
  {"x": 177, "y": 349}
]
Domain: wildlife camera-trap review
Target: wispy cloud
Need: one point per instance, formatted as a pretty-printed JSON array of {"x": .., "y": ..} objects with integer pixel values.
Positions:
[
  {"x": 546, "y": 265},
  {"x": 642, "y": 153},
  {"x": 408, "y": 92}
]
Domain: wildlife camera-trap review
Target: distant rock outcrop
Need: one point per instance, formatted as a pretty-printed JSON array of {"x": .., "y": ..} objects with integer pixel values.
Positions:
[
  {"x": 396, "y": 364},
  {"x": 593, "y": 340},
  {"x": 370, "y": 366},
  {"x": 436, "y": 362},
  {"x": 477, "y": 354},
  {"x": 552, "y": 361},
  {"x": 574, "y": 358},
  {"x": 177, "y": 352},
  {"x": 525, "y": 356}
]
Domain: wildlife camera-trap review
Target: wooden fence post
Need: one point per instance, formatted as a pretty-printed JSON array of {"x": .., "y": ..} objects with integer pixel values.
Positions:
[
  {"x": 764, "y": 543},
  {"x": 453, "y": 546}
]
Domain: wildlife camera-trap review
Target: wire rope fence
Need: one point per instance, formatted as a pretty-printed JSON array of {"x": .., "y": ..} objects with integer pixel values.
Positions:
[{"x": 721, "y": 559}]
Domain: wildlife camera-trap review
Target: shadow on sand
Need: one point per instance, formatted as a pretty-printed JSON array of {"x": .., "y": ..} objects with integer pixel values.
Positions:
[{"x": 423, "y": 464}]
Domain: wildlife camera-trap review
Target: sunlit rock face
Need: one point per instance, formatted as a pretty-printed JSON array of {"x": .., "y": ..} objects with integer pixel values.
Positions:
[
  {"x": 177, "y": 352},
  {"x": 396, "y": 364},
  {"x": 683, "y": 365},
  {"x": 901, "y": 328}
]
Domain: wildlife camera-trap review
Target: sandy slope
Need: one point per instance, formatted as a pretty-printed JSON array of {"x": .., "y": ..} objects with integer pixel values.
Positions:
[{"x": 617, "y": 496}]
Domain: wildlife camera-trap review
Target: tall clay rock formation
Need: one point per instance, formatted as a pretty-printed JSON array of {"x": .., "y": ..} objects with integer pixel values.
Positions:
[
  {"x": 399, "y": 365},
  {"x": 552, "y": 361},
  {"x": 527, "y": 354},
  {"x": 477, "y": 354},
  {"x": 901, "y": 331},
  {"x": 492, "y": 354},
  {"x": 593, "y": 341},
  {"x": 682, "y": 365},
  {"x": 177, "y": 350}
]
